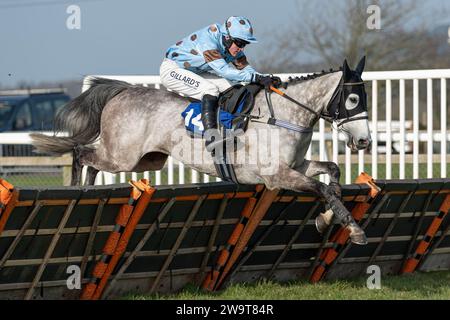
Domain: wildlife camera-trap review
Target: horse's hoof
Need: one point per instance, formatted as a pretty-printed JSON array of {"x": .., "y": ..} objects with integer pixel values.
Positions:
[
  {"x": 321, "y": 225},
  {"x": 359, "y": 238},
  {"x": 357, "y": 235},
  {"x": 323, "y": 220}
]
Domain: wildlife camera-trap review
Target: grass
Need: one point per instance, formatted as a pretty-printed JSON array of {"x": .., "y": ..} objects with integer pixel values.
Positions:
[
  {"x": 34, "y": 179},
  {"x": 46, "y": 179},
  {"x": 419, "y": 286},
  {"x": 395, "y": 168}
]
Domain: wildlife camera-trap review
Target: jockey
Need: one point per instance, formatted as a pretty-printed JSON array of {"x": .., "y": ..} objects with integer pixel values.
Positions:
[{"x": 198, "y": 66}]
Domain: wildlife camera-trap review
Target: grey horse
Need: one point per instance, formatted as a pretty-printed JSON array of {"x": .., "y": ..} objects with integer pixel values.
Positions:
[{"x": 118, "y": 127}]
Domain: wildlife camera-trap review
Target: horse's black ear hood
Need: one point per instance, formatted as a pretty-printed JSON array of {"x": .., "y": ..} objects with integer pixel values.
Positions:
[
  {"x": 346, "y": 69},
  {"x": 361, "y": 64}
]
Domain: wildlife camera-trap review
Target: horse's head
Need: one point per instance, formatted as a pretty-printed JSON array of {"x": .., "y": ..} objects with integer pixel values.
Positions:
[{"x": 348, "y": 107}]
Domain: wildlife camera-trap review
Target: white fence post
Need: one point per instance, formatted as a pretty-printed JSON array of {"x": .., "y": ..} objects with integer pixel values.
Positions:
[
  {"x": 443, "y": 128},
  {"x": 322, "y": 151},
  {"x": 335, "y": 145},
  {"x": 429, "y": 128},
  {"x": 180, "y": 173},
  {"x": 374, "y": 129},
  {"x": 402, "y": 129},
  {"x": 170, "y": 170},
  {"x": 388, "y": 129},
  {"x": 194, "y": 176},
  {"x": 158, "y": 177},
  {"x": 416, "y": 129},
  {"x": 348, "y": 166}
]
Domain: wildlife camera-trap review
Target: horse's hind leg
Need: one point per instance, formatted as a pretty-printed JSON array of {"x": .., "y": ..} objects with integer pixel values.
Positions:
[
  {"x": 77, "y": 167},
  {"x": 90, "y": 176},
  {"x": 314, "y": 168},
  {"x": 86, "y": 157}
]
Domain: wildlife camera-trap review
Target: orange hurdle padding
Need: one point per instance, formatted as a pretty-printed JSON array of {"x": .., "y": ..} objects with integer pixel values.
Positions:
[
  {"x": 126, "y": 222},
  {"x": 8, "y": 199},
  {"x": 6, "y": 190},
  {"x": 258, "y": 214},
  {"x": 110, "y": 246},
  {"x": 341, "y": 236},
  {"x": 211, "y": 278},
  {"x": 144, "y": 200},
  {"x": 411, "y": 264}
]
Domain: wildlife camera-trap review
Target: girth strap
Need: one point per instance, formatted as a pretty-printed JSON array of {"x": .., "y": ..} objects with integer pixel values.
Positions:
[{"x": 288, "y": 125}]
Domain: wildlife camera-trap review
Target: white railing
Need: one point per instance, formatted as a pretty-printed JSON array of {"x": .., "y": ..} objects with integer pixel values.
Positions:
[
  {"x": 329, "y": 145},
  {"x": 374, "y": 79}
]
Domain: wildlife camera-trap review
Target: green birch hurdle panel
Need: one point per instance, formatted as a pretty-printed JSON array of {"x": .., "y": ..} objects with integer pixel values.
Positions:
[{"x": 183, "y": 229}]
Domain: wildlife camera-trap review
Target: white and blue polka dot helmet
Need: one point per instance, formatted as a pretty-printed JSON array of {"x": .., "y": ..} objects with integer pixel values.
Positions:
[{"x": 241, "y": 28}]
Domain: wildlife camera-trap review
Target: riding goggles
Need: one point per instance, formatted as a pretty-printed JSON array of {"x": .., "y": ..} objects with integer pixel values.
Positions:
[{"x": 240, "y": 43}]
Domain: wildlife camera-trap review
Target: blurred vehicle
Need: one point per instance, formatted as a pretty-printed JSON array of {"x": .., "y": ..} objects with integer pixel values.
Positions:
[{"x": 30, "y": 110}]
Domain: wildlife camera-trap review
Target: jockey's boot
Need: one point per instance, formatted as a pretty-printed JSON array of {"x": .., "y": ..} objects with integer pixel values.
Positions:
[{"x": 209, "y": 120}]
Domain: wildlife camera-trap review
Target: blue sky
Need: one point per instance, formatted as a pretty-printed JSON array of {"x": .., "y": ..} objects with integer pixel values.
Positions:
[{"x": 118, "y": 37}]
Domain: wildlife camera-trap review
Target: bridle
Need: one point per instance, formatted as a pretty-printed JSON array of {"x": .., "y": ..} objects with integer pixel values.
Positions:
[
  {"x": 332, "y": 113},
  {"x": 337, "y": 102}
]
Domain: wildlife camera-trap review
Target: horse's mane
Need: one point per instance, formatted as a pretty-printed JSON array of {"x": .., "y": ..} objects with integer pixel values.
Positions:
[{"x": 295, "y": 80}]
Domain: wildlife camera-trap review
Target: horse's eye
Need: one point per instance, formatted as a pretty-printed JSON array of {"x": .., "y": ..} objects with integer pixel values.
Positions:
[{"x": 352, "y": 101}]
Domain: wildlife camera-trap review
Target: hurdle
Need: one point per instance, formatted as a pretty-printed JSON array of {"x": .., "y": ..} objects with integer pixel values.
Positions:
[{"x": 140, "y": 239}]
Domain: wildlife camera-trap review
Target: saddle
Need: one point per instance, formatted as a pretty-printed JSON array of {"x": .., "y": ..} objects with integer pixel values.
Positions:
[
  {"x": 237, "y": 101},
  {"x": 235, "y": 106}
]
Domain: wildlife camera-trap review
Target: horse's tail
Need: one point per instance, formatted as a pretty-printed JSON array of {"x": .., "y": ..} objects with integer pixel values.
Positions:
[{"x": 79, "y": 118}]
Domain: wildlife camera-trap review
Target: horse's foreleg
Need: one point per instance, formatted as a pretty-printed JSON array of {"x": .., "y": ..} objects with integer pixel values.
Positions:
[
  {"x": 291, "y": 179},
  {"x": 314, "y": 168}
]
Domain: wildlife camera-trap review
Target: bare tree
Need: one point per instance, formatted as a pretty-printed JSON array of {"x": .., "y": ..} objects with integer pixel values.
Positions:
[{"x": 330, "y": 31}]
